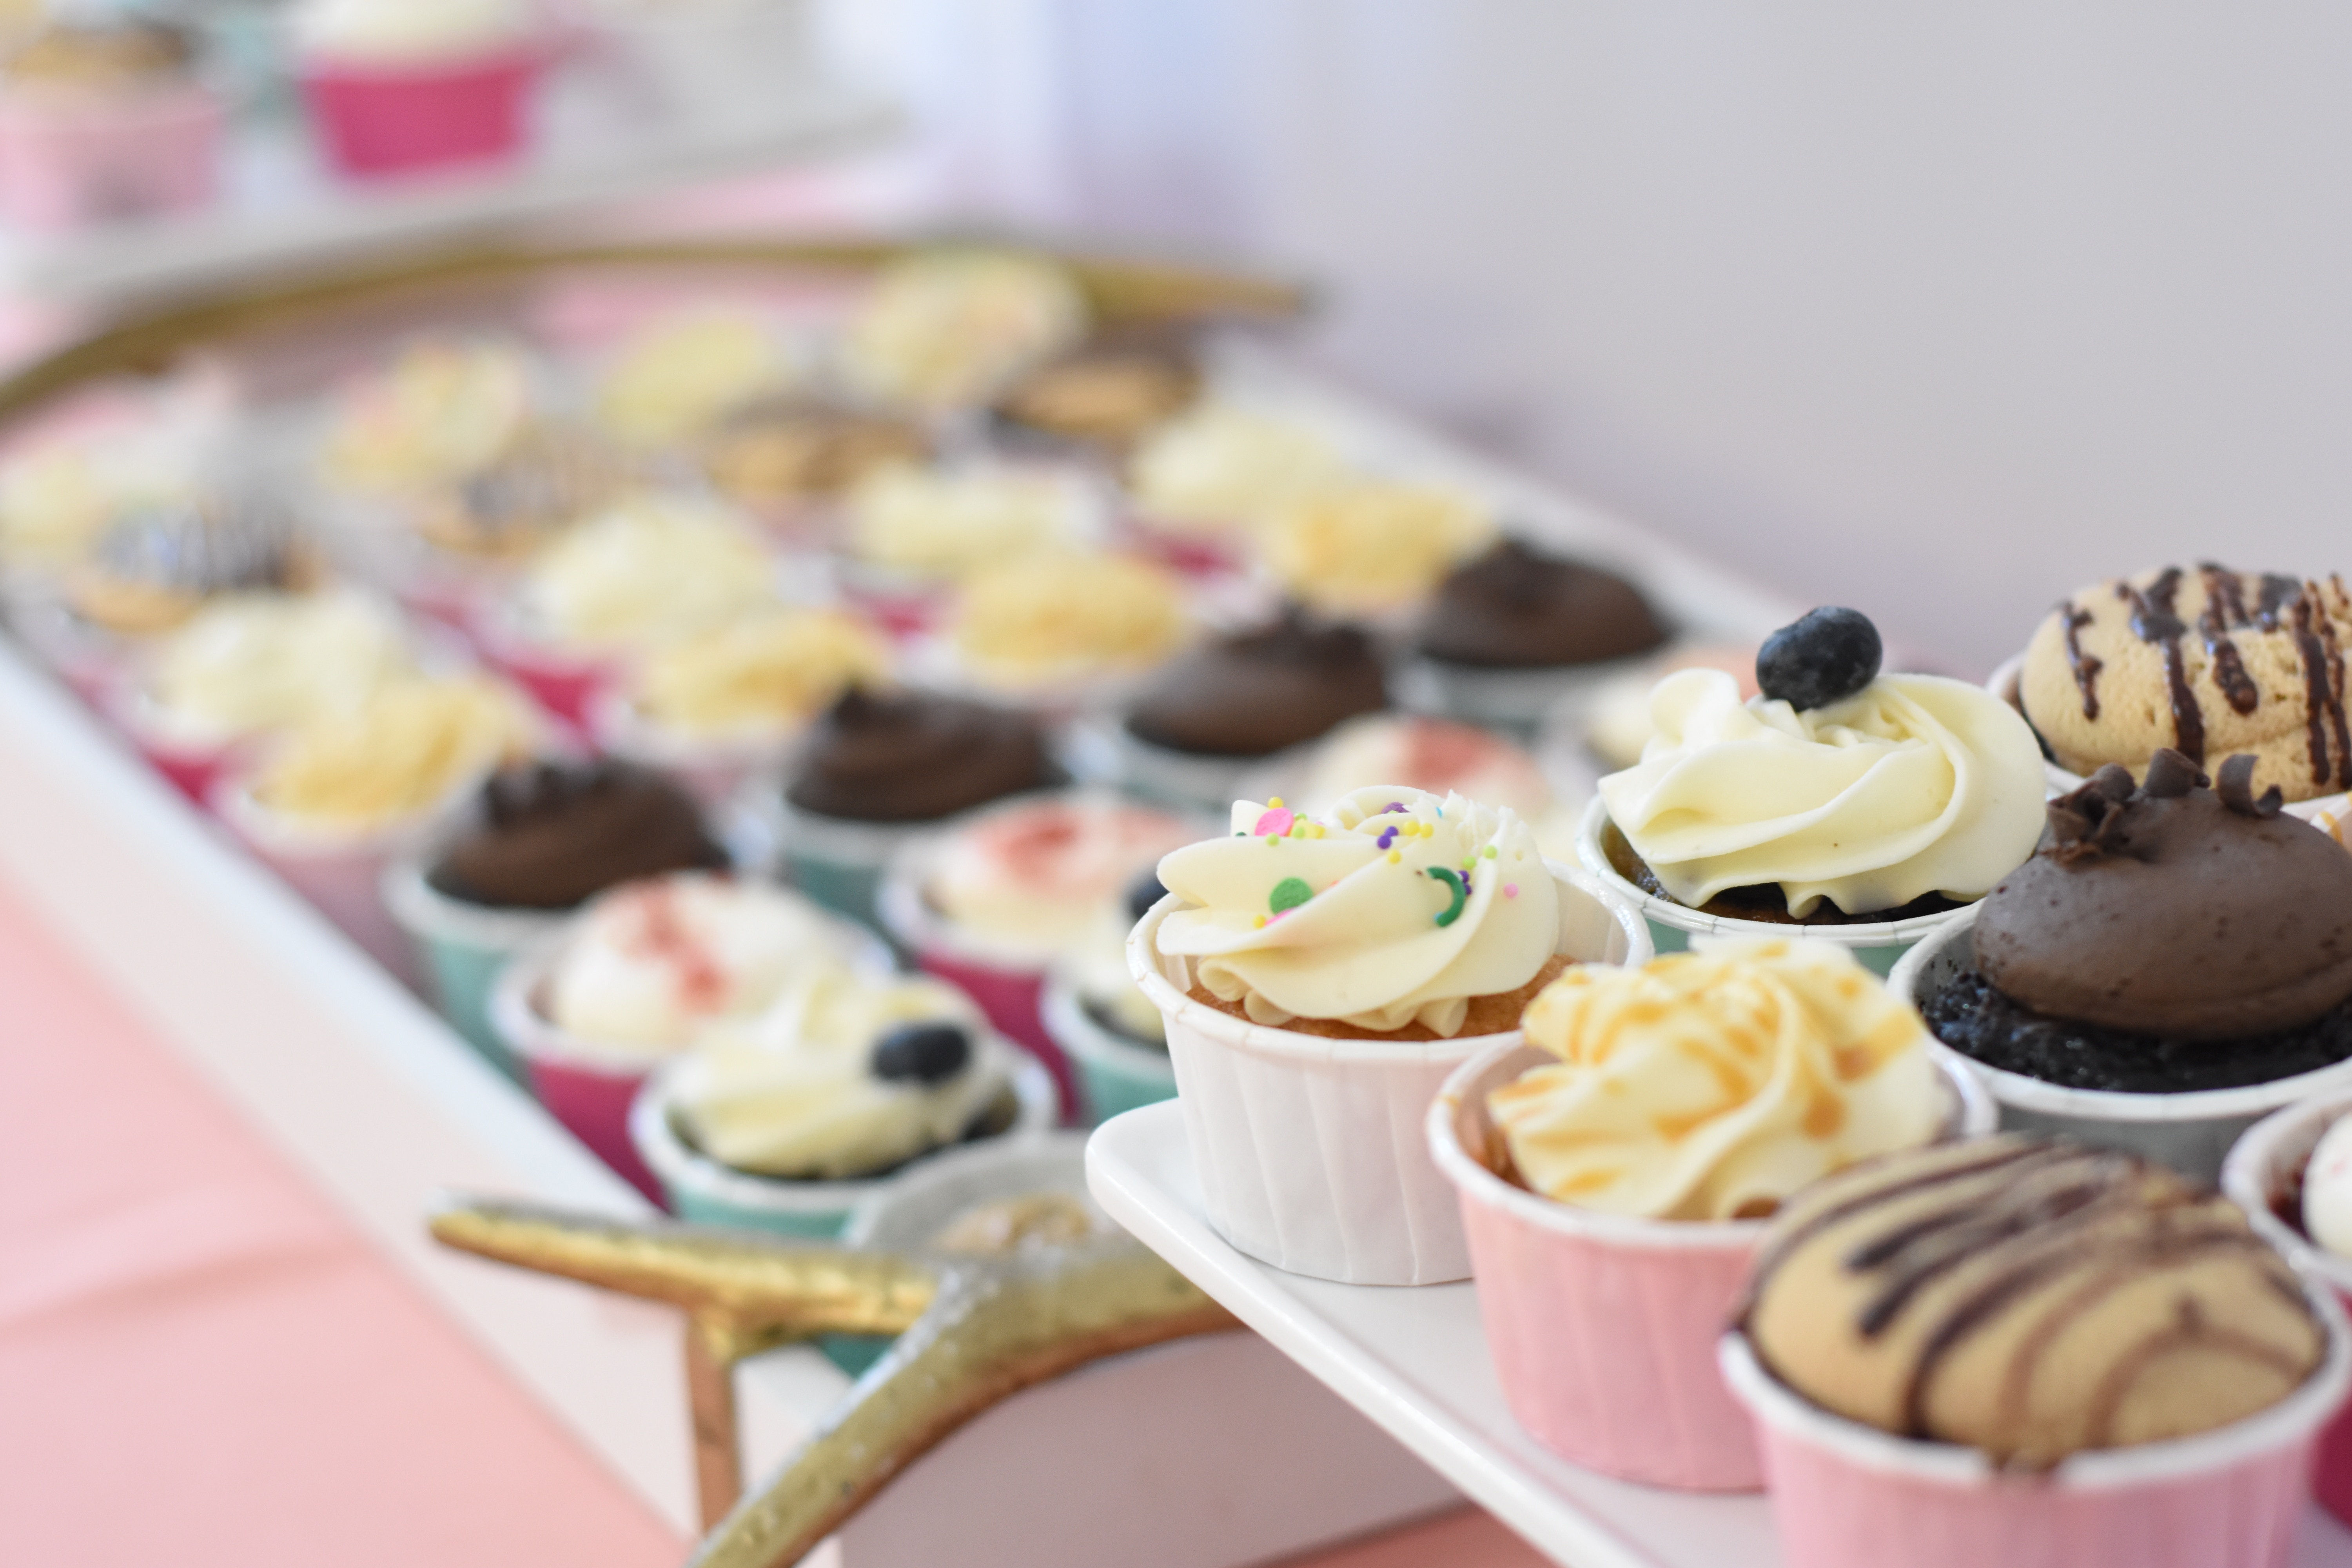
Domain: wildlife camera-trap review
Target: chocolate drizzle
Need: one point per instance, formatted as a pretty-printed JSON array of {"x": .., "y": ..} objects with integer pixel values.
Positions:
[
  {"x": 2330, "y": 747},
  {"x": 2086, "y": 666},
  {"x": 2154, "y": 620},
  {"x": 2225, "y": 606}
]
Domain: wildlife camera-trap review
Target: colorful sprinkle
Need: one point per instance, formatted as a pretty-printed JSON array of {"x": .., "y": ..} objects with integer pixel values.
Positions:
[
  {"x": 1272, "y": 839},
  {"x": 1490, "y": 852},
  {"x": 1396, "y": 805},
  {"x": 1395, "y": 856},
  {"x": 1261, "y": 923},
  {"x": 1387, "y": 837},
  {"x": 1288, "y": 894},
  {"x": 1277, "y": 820},
  {"x": 1455, "y": 884},
  {"x": 1510, "y": 889}
]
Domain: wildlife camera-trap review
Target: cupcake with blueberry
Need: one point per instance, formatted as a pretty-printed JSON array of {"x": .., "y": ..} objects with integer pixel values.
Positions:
[
  {"x": 639, "y": 974},
  {"x": 992, "y": 900},
  {"x": 1228, "y": 703},
  {"x": 1857, "y": 807},
  {"x": 537, "y": 840},
  {"x": 1506, "y": 636},
  {"x": 787, "y": 1120},
  {"x": 2175, "y": 961},
  {"x": 879, "y": 767}
]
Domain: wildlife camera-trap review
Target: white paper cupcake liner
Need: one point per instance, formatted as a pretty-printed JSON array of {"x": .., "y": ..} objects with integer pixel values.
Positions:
[
  {"x": 2190, "y": 1132},
  {"x": 1311, "y": 1152}
]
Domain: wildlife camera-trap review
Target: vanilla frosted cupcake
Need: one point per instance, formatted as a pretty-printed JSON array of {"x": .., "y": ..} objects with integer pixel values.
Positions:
[
  {"x": 1220, "y": 470},
  {"x": 1370, "y": 545},
  {"x": 762, "y": 676},
  {"x": 947, "y": 328},
  {"x": 843, "y": 1076},
  {"x": 443, "y": 408},
  {"x": 940, "y": 525},
  {"x": 684, "y": 374},
  {"x": 1058, "y": 619},
  {"x": 406, "y": 749},
  {"x": 645, "y": 571},
  {"x": 54, "y": 501},
  {"x": 1411, "y": 929}
]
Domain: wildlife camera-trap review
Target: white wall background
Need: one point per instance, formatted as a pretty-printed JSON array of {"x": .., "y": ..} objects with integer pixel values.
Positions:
[{"x": 1937, "y": 310}]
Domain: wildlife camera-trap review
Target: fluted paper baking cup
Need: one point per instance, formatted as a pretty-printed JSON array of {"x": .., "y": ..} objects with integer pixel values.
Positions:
[
  {"x": 1311, "y": 1152},
  {"x": 2060, "y": 780},
  {"x": 2264, "y": 1176},
  {"x": 697, "y": 1187},
  {"x": 1116, "y": 1075},
  {"x": 1603, "y": 1327},
  {"x": 338, "y": 870},
  {"x": 2190, "y": 1132},
  {"x": 461, "y": 946},
  {"x": 711, "y": 768},
  {"x": 1879, "y": 943},
  {"x": 1849, "y": 1496}
]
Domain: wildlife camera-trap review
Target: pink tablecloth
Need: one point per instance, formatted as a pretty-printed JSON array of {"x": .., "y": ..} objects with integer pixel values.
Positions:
[{"x": 202, "y": 1365}]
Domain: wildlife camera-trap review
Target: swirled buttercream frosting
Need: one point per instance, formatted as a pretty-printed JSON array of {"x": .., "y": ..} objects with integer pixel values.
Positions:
[
  {"x": 1396, "y": 908},
  {"x": 1711, "y": 1085},
  {"x": 1914, "y": 785}
]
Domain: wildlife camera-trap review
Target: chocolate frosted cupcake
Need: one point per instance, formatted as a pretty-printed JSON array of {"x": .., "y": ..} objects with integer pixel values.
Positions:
[
  {"x": 545, "y": 838},
  {"x": 1507, "y": 634},
  {"x": 1110, "y": 392},
  {"x": 1236, "y": 700},
  {"x": 876, "y": 767},
  {"x": 2208, "y": 662}
]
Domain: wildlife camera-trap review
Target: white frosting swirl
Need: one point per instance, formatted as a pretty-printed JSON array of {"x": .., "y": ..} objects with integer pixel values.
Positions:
[
  {"x": 1362, "y": 916},
  {"x": 1713, "y": 1084},
  {"x": 793, "y": 1093},
  {"x": 409, "y": 32},
  {"x": 1916, "y": 784}
]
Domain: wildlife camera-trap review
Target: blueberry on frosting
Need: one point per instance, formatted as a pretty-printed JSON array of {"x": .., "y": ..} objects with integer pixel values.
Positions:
[
  {"x": 1824, "y": 656},
  {"x": 925, "y": 1053}
]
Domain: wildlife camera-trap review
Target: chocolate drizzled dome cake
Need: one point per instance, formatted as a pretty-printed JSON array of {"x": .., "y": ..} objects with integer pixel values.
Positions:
[
  {"x": 2029, "y": 1299},
  {"x": 2206, "y": 661}
]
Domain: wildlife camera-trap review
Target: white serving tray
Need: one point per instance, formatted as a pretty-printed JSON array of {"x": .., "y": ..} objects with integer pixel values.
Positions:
[{"x": 1416, "y": 1361}]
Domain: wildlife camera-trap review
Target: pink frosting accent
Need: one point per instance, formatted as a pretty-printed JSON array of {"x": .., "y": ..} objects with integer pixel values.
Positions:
[{"x": 1083, "y": 852}]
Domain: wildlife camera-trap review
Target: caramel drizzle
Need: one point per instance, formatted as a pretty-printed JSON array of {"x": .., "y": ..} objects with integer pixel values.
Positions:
[
  {"x": 2086, "y": 666},
  {"x": 2154, "y": 621}
]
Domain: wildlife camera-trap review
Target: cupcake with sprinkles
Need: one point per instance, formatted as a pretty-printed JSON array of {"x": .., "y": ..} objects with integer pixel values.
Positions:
[{"x": 1414, "y": 928}]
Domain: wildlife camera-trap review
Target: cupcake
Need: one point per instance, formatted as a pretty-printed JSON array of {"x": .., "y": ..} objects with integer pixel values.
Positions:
[
  {"x": 1205, "y": 483},
  {"x": 781, "y": 453},
  {"x": 1436, "y": 756},
  {"x": 399, "y": 86},
  {"x": 1615, "y": 1171},
  {"x": 106, "y": 122},
  {"x": 250, "y": 665},
  {"x": 947, "y": 329},
  {"x": 639, "y": 975},
  {"x": 1230, "y": 702},
  {"x": 645, "y": 571},
  {"x": 913, "y": 533},
  {"x": 540, "y": 839},
  {"x": 2292, "y": 1175},
  {"x": 1107, "y": 393},
  {"x": 878, "y": 767},
  {"x": 443, "y": 409},
  {"x": 681, "y": 375},
  {"x": 2173, "y": 962},
  {"x": 2210, "y": 663},
  {"x": 338, "y": 797},
  {"x": 2029, "y": 1353},
  {"x": 1370, "y": 546},
  {"x": 992, "y": 900},
  {"x": 1410, "y": 930},
  {"x": 715, "y": 706},
  {"x": 162, "y": 558},
  {"x": 786, "y": 1121},
  {"x": 1506, "y": 635},
  {"x": 1059, "y": 627},
  {"x": 1099, "y": 1018},
  {"x": 1866, "y": 808},
  {"x": 1610, "y": 722}
]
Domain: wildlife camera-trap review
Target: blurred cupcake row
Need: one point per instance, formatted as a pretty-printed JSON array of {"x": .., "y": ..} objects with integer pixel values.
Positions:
[{"x": 108, "y": 116}]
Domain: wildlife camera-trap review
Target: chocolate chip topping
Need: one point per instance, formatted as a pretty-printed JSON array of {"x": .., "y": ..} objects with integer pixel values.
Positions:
[{"x": 2174, "y": 909}]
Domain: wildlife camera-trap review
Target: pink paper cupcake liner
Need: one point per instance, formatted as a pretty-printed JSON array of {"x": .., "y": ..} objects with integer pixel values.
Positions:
[
  {"x": 1311, "y": 1152},
  {"x": 1603, "y": 1327},
  {"x": 2264, "y": 1176},
  {"x": 339, "y": 873},
  {"x": 1848, "y": 1496},
  {"x": 66, "y": 165},
  {"x": 586, "y": 1087},
  {"x": 389, "y": 119}
]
